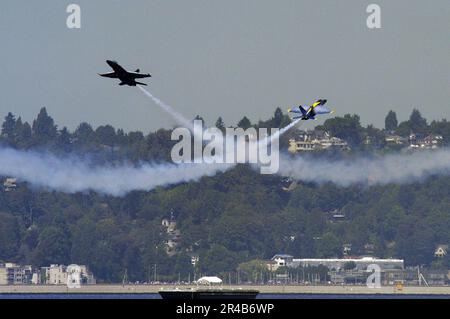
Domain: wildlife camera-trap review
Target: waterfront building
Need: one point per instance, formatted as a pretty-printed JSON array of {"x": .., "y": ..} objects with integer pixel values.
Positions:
[
  {"x": 337, "y": 264},
  {"x": 13, "y": 274}
]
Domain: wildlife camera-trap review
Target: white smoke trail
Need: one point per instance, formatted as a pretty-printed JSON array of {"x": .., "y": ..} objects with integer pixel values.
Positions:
[
  {"x": 198, "y": 135},
  {"x": 72, "y": 174},
  {"x": 179, "y": 118},
  {"x": 398, "y": 168},
  {"x": 269, "y": 139}
]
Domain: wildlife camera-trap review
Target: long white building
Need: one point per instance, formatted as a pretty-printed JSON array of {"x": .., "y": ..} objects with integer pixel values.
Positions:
[{"x": 337, "y": 264}]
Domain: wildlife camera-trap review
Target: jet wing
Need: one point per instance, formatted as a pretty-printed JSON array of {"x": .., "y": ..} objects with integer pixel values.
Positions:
[
  {"x": 116, "y": 67},
  {"x": 109, "y": 75},
  {"x": 295, "y": 110},
  {"x": 320, "y": 109},
  {"x": 136, "y": 75}
]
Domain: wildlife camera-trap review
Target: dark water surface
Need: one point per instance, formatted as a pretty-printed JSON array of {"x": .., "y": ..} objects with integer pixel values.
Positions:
[{"x": 260, "y": 296}]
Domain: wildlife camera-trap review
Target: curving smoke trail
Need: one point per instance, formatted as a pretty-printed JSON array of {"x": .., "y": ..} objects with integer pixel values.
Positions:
[
  {"x": 269, "y": 139},
  {"x": 398, "y": 168},
  {"x": 179, "y": 118},
  {"x": 72, "y": 174}
]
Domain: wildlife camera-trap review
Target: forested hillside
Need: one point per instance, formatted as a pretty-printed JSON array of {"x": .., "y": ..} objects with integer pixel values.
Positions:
[{"x": 228, "y": 219}]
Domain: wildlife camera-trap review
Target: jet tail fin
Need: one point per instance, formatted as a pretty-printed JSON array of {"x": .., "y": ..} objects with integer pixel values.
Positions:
[{"x": 302, "y": 110}]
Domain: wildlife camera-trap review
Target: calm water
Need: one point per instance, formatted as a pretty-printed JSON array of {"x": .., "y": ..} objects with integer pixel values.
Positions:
[{"x": 260, "y": 296}]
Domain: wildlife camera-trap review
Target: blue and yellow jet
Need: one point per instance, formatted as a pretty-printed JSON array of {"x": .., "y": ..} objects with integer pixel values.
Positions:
[{"x": 310, "y": 114}]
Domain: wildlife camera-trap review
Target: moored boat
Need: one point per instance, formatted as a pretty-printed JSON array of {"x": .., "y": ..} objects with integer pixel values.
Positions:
[{"x": 208, "y": 293}]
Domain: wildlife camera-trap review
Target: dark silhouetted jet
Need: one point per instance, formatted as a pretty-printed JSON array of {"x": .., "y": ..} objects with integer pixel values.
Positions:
[{"x": 126, "y": 78}]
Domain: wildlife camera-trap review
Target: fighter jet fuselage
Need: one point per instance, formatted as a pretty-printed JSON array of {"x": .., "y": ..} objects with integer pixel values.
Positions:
[
  {"x": 311, "y": 112},
  {"x": 125, "y": 77}
]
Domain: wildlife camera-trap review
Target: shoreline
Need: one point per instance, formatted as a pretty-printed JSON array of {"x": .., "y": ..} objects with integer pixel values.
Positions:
[{"x": 263, "y": 289}]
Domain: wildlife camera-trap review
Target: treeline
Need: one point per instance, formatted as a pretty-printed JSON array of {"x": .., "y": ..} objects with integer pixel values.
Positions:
[
  {"x": 228, "y": 220},
  {"x": 350, "y": 129},
  {"x": 103, "y": 143}
]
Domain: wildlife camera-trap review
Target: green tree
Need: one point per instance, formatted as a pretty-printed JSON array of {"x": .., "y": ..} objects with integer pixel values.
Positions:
[
  {"x": 390, "y": 122},
  {"x": 22, "y": 134},
  {"x": 84, "y": 233},
  {"x": 253, "y": 270},
  {"x": 9, "y": 236},
  {"x": 217, "y": 260},
  {"x": 220, "y": 124},
  {"x": 53, "y": 247},
  {"x": 84, "y": 132},
  {"x": 348, "y": 128},
  {"x": 329, "y": 246},
  {"x": 244, "y": 123},
  {"x": 64, "y": 141},
  {"x": 44, "y": 128},
  {"x": 9, "y": 126},
  {"x": 106, "y": 135},
  {"x": 417, "y": 122},
  {"x": 183, "y": 266},
  {"x": 442, "y": 128},
  {"x": 376, "y": 137},
  {"x": 278, "y": 120},
  {"x": 84, "y": 138}
]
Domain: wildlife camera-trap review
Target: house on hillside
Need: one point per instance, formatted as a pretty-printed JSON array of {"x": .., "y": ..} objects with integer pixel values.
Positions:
[
  {"x": 173, "y": 235},
  {"x": 392, "y": 139},
  {"x": 282, "y": 260},
  {"x": 346, "y": 249},
  {"x": 9, "y": 184},
  {"x": 316, "y": 140},
  {"x": 441, "y": 251},
  {"x": 279, "y": 260},
  {"x": 420, "y": 141}
]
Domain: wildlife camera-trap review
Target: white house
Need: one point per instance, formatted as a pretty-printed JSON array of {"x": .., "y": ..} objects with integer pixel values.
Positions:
[
  {"x": 441, "y": 251},
  {"x": 57, "y": 275},
  {"x": 282, "y": 259}
]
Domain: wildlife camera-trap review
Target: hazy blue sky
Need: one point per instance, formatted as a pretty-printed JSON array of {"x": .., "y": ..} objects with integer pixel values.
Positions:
[{"x": 228, "y": 58}]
